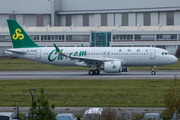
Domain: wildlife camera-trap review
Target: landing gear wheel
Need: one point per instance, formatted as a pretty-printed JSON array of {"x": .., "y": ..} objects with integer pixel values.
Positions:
[
  {"x": 96, "y": 72},
  {"x": 153, "y": 72},
  {"x": 91, "y": 72}
]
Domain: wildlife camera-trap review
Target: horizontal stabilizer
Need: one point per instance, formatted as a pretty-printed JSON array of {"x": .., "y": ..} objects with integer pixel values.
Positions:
[{"x": 16, "y": 51}]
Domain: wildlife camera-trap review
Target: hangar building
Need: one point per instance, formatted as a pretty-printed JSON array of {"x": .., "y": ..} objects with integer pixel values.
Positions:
[{"x": 100, "y": 23}]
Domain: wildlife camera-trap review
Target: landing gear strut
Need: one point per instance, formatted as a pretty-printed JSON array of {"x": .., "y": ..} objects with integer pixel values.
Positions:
[{"x": 153, "y": 72}]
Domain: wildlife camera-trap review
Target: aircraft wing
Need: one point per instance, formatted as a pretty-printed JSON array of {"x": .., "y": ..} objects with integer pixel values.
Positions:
[{"x": 87, "y": 60}]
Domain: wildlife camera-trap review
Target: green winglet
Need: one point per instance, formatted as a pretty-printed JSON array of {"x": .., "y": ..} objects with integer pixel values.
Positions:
[
  {"x": 82, "y": 45},
  {"x": 57, "y": 49}
]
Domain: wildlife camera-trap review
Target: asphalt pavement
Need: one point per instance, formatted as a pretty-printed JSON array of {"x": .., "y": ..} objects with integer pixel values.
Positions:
[{"x": 72, "y": 74}]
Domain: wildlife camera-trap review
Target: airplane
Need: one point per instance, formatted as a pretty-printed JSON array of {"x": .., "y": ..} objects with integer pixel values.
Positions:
[{"x": 109, "y": 59}]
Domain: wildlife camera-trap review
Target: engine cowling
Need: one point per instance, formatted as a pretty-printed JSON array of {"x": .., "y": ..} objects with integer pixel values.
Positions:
[{"x": 113, "y": 67}]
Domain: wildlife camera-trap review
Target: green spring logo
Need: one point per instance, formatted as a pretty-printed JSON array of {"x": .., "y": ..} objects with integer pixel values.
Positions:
[
  {"x": 113, "y": 67},
  {"x": 18, "y": 35}
]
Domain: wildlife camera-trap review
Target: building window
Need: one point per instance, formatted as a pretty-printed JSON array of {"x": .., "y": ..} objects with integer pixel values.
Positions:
[
  {"x": 147, "y": 19},
  {"x": 50, "y": 37},
  {"x": 137, "y": 37},
  {"x": 170, "y": 18},
  {"x": 34, "y": 37},
  {"x": 78, "y": 38},
  {"x": 103, "y": 19},
  {"x": 68, "y": 20},
  {"x": 5, "y": 38},
  {"x": 85, "y": 20},
  {"x": 167, "y": 37},
  {"x": 124, "y": 19},
  {"x": 122, "y": 37},
  {"x": 161, "y": 46},
  {"x": 145, "y": 37}
]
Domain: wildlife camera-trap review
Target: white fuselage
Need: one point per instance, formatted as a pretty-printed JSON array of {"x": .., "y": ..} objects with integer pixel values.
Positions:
[{"x": 129, "y": 56}]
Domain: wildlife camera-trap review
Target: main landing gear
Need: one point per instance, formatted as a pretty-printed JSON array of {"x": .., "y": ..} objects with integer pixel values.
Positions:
[
  {"x": 153, "y": 72},
  {"x": 94, "y": 72}
]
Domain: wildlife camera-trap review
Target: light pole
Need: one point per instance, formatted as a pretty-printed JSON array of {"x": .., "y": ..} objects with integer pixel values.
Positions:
[
  {"x": 32, "y": 89},
  {"x": 17, "y": 103}
]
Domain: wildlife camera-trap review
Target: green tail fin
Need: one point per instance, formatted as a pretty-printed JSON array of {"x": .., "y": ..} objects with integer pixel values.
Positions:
[{"x": 19, "y": 37}]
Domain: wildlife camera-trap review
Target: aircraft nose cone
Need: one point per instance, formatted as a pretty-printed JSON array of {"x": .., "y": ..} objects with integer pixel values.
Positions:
[{"x": 174, "y": 59}]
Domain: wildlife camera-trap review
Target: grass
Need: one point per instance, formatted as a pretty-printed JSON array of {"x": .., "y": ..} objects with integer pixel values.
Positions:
[
  {"x": 77, "y": 93},
  {"x": 20, "y": 64}
]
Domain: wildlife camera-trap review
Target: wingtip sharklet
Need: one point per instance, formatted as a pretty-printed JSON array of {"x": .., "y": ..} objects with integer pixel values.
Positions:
[{"x": 58, "y": 50}]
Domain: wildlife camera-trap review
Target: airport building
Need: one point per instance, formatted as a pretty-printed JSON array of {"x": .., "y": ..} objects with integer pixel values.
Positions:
[{"x": 94, "y": 23}]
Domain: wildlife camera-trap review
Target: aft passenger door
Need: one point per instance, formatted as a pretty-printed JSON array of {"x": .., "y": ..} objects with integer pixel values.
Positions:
[
  {"x": 38, "y": 54},
  {"x": 153, "y": 54}
]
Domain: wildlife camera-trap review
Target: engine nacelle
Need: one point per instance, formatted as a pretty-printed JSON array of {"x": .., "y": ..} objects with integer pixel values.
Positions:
[
  {"x": 113, "y": 67},
  {"x": 125, "y": 69}
]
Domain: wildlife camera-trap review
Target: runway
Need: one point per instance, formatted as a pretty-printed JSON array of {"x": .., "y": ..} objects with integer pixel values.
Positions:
[{"x": 72, "y": 74}]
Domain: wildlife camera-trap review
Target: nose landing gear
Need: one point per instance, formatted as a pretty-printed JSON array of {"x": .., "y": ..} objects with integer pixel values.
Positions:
[{"x": 153, "y": 72}]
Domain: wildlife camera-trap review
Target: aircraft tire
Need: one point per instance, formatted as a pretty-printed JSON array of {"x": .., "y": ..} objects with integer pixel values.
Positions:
[
  {"x": 96, "y": 72},
  {"x": 153, "y": 72},
  {"x": 91, "y": 72}
]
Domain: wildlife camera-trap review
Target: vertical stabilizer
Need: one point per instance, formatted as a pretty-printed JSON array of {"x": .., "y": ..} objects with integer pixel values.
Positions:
[{"x": 20, "y": 38}]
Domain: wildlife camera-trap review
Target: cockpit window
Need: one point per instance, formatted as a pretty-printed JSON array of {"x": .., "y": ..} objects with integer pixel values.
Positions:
[{"x": 165, "y": 53}]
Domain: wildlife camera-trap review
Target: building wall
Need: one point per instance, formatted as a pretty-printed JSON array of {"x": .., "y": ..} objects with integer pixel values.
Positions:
[
  {"x": 112, "y": 5},
  {"x": 19, "y": 19},
  {"x": 132, "y": 19},
  {"x": 91, "y": 20},
  {"x": 110, "y": 19},
  {"x": 176, "y": 18},
  {"x": 154, "y": 19},
  {"x": 140, "y": 19},
  {"x": 25, "y": 6},
  {"x": 3, "y": 19},
  {"x": 46, "y": 20},
  {"x": 97, "y": 19},
  {"x": 62, "y": 20},
  {"x": 54, "y": 11},
  {"x": 30, "y": 20},
  {"x": 118, "y": 19},
  {"x": 79, "y": 21},
  {"x": 162, "y": 18}
]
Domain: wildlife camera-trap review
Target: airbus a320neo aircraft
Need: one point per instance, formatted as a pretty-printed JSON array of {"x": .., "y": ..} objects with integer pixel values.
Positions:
[{"x": 109, "y": 59}]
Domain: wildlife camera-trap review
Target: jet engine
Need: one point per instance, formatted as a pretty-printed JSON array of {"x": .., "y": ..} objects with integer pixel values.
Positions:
[{"x": 113, "y": 67}]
